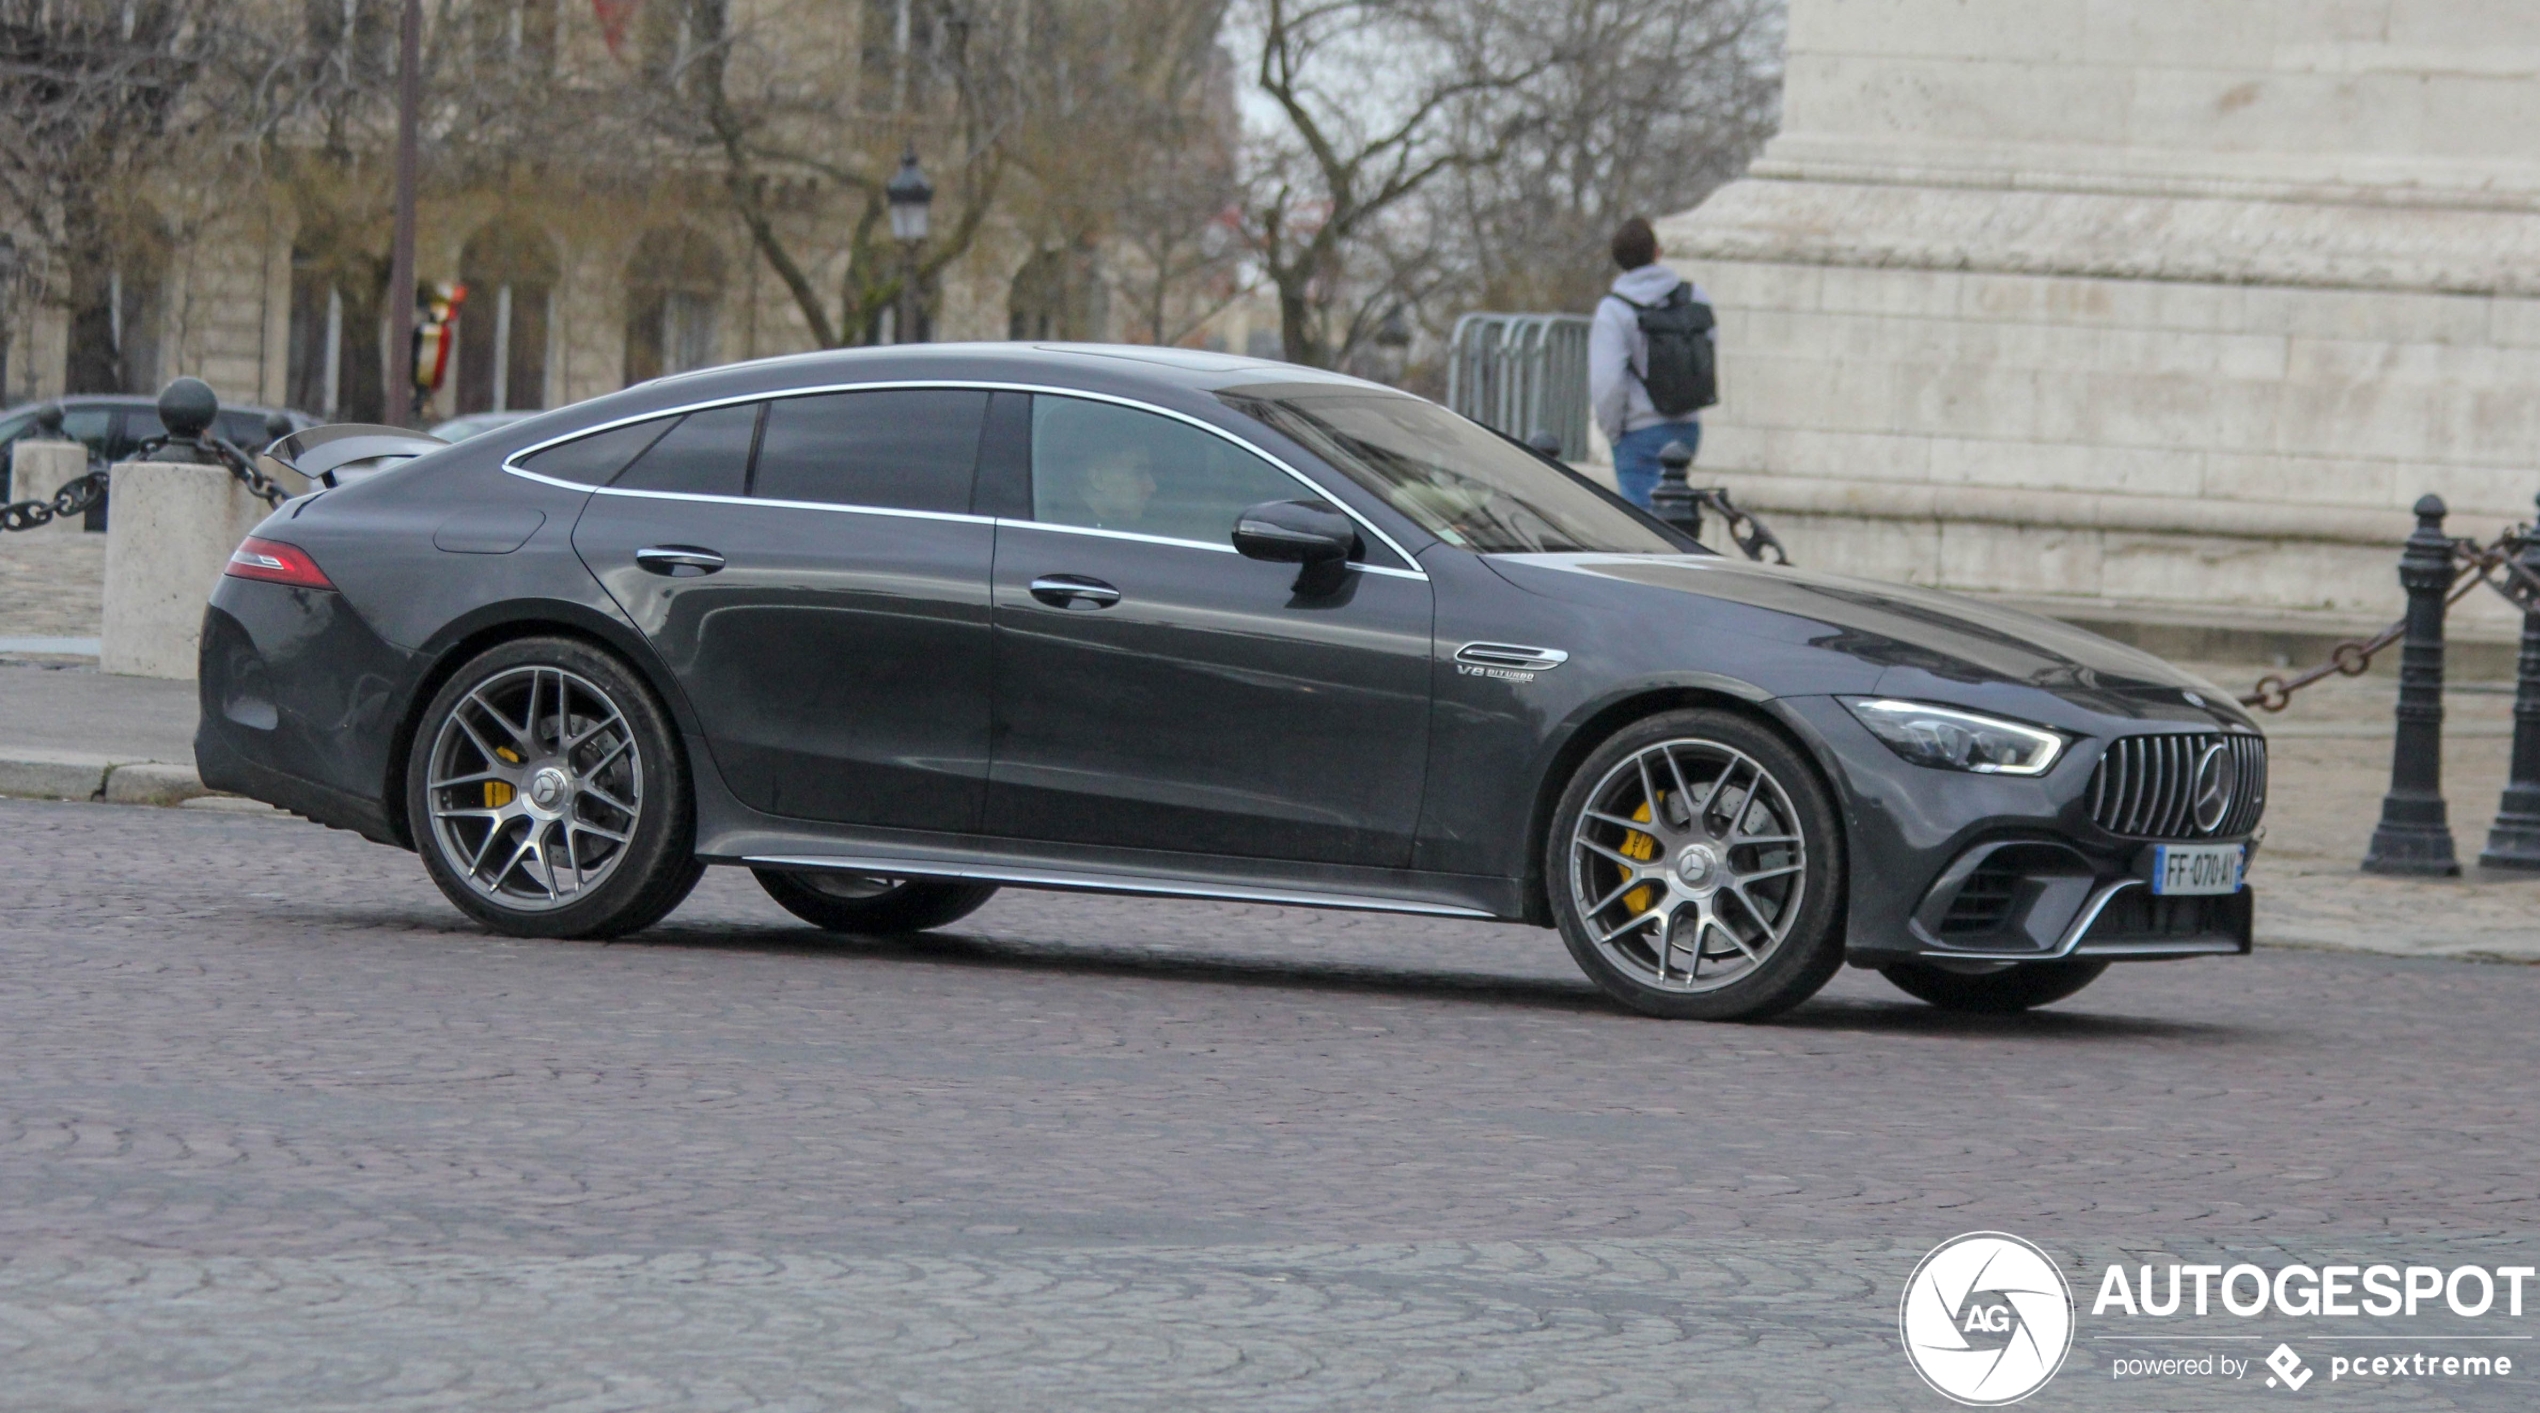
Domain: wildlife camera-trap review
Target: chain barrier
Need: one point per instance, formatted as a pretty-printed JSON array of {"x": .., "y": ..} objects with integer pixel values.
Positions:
[
  {"x": 85, "y": 493},
  {"x": 76, "y": 497},
  {"x": 241, "y": 467},
  {"x": 2498, "y": 565},
  {"x": 1752, "y": 535}
]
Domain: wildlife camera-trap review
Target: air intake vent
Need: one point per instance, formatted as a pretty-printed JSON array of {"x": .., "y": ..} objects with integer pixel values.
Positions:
[
  {"x": 1984, "y": 901},
  {"x": 2181, "y": 786}
]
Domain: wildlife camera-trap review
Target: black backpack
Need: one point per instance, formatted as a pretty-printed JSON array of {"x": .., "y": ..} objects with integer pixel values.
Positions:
[{"x": 1683, "y": 374}]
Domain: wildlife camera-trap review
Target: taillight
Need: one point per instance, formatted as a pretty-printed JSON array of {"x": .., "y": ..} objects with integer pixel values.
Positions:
[{"x": 276, "y": 563}]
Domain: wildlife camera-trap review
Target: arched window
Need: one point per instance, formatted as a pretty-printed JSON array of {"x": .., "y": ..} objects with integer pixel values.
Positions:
[
  {"x": 674, "y": 284},
  {"x": 1058, "y": 294},
  {"x": 118, "y": 308},
  {"x": 336, "y": 355},
  {"x": 509, "y": 269}
]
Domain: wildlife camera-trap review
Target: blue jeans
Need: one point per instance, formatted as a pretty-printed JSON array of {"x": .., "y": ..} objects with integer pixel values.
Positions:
[{"x": 1636, "y": 456}]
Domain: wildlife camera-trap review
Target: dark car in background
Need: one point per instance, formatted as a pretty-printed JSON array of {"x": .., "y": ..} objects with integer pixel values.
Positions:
[
  {"x": 896, "y": 628},
  {"x": 114, "y": 425}
]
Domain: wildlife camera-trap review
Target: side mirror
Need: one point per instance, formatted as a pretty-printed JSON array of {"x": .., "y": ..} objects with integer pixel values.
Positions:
[{"x": 1306, "y": 533}]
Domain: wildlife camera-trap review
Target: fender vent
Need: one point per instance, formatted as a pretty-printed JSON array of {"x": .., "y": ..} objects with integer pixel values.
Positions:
[{"x": 1511, "y": 656}]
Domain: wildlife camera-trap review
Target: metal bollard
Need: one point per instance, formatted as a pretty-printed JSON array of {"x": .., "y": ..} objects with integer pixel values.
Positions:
[
  {"x": 1672, "y": 500},
  {"x": 2415, "y": 836},
  {"x": 2514, "y": 840}
]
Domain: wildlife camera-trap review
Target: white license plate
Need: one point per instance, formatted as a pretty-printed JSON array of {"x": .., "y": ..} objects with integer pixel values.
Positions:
[{"x": 2190, "y": 870}]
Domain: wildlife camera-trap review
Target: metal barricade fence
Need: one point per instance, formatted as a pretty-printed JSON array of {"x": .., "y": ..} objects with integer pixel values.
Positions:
[{"x": 1523, "y": 374}]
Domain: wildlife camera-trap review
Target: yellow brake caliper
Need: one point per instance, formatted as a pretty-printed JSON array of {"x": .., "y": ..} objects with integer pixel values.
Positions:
[
  {"x": 1643, "y": 847},
  {"x": 498, "y": 793}
]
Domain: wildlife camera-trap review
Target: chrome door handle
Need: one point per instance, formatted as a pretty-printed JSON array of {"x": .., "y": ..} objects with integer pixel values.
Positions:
[
  {"x": 677, "y": 561},
  {"x": 1074, "y": 591}
]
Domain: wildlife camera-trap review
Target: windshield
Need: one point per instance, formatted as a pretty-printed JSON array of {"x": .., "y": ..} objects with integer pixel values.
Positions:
[{"x": 1461, "y": 482}]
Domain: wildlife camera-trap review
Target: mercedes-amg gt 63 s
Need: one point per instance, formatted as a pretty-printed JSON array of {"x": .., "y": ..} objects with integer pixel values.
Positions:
[{"x": 895, "y": 628}]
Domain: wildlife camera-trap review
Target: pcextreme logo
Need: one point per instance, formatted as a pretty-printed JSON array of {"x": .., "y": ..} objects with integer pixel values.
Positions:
[{"x": 1986, "y": 1319}]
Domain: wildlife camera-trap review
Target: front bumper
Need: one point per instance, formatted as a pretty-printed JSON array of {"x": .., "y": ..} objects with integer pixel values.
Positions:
[{"x": 1986, "y": 868}]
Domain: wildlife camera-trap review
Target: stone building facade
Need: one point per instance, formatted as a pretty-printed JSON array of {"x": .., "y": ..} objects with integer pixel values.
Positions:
[
  {"x": 2136, "y": 307},
  {"x": 571, "y": 293}
]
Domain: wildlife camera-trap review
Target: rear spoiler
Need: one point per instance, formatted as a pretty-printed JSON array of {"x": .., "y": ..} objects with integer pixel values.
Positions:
[{"x": 319, "y": 452}]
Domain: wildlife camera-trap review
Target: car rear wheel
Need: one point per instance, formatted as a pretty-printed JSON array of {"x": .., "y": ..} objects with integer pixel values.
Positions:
[
  {"x": 2012, "y": 988},
  {"x": 547, "y": 794},
  {"x": 850, "y": 902},
  {"x": 1696, "y": 871}
]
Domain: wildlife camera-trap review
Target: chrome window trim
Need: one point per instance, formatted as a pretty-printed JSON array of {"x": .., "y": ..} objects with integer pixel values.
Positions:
[{"x": 510, "y": 463}]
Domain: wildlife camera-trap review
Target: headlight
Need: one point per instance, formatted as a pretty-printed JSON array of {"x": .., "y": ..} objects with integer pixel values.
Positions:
[{"x": 1951, "y": 739}]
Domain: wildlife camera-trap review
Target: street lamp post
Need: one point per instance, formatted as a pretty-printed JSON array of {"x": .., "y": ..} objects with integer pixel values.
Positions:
[{"x": 909, "y": 195}]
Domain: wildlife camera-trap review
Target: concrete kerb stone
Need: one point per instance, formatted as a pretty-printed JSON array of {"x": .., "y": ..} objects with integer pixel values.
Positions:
[{"x": 66, "y": 775}]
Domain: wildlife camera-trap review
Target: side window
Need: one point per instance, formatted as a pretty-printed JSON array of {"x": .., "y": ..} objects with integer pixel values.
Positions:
[
  {"x": 596, "y": 459},
  {"x": 244, "y": 430},
  {"x": 895, "y": 448},
  {"x": 1106, "y": 467},
  {"x": 707, "y": 454}
]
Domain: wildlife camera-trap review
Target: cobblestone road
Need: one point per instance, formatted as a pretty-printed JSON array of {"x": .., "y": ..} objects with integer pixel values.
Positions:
[{"x": 279, "y": 1132}]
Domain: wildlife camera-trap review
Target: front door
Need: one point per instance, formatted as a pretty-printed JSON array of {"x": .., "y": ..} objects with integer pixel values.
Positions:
[
  {"x": 1156, "y": 690},
  {"x": 823, "y": 602}
]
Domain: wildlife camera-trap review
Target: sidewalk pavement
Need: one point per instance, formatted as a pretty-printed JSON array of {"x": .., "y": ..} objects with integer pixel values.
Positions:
[{"x": 70, "y": 732}]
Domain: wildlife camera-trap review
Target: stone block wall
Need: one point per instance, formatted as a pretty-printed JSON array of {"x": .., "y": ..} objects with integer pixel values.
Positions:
[{"x": 2136, "y": 300}]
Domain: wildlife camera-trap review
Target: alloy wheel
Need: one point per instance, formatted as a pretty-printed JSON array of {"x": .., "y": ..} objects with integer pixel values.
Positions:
[
  {"x": 1688, "y": 866},
  {"x": 535, "y": 787}
]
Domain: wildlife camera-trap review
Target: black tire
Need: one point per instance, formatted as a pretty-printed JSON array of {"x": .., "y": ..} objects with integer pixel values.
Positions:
[
  {"x": 838, "y": 902},
  {"x": 630, "y": 882},
  {"x": 2014, "y": 988},
  {"x": 1771, "y": 963}
]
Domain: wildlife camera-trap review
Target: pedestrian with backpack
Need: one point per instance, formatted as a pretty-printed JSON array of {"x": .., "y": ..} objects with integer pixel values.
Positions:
[{"x": 1652, "y": 361}]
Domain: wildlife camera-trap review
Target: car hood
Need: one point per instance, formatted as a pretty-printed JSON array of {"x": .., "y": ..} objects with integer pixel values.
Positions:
[{"x": 1919, "y": 636}]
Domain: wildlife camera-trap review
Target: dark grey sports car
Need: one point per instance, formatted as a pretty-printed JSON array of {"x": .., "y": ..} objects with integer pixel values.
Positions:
[{"x": 894, "y": 628}]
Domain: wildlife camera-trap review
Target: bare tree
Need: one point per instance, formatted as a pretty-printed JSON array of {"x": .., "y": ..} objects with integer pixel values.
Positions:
[
  {"x": 715, "y": 90},
  {"x": 1643, "y": 109},
  {"x": 1131, "y": 146},
  {"x": 96, "y": 96},
  {"x": 1378, "y": 98}
]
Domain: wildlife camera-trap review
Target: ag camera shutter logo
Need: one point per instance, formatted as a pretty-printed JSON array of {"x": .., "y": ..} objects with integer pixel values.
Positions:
[{"x": 1986, "y": 1319}]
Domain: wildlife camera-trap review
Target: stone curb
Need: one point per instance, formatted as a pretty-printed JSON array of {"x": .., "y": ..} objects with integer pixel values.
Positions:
[{"x": 64, "y": 775}]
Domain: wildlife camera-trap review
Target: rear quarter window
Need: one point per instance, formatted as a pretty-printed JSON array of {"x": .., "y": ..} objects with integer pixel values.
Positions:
[{"x": 596, "y": 459}]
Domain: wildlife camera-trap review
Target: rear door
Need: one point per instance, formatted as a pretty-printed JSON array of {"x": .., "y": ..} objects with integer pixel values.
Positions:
[{"x": 810, "y": 569}]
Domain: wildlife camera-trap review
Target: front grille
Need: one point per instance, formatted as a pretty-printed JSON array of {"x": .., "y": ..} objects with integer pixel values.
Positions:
[
  {"x": 2146, "y": 786},
  {"x": 1984, "y": 901}
]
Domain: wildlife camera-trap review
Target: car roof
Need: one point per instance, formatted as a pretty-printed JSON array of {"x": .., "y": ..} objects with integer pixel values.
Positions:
[{"x": 1188, "y": 367}]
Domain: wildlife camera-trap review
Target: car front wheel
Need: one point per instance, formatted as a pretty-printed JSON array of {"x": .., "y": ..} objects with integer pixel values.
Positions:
[
  {"x": 1696, "y": 871},
  {"x": 547, "y": 795}
]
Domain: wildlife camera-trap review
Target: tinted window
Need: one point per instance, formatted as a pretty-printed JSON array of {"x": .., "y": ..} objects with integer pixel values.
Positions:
[
  {"x": 1115, "y": 468},
  {"x": 1459, "y": 481},
  {"x": 88, "y": 424},
  {"x": 140, "y": 424},
  {"x": 593, "y": 460},
  {"x": 899, "y": 448},
  {"x": 245, "y": 430},
  {"x": 707, "y": 454}
]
